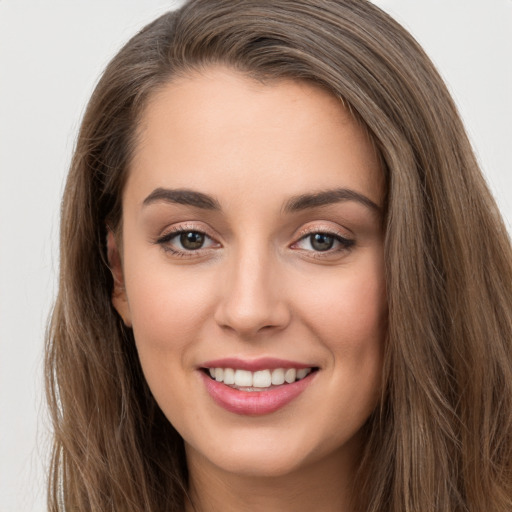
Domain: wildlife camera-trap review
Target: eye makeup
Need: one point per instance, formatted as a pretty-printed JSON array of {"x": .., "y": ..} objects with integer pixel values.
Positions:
[
  {"x": 186, "y": 241},
  {"x": 189, "y": 240}
]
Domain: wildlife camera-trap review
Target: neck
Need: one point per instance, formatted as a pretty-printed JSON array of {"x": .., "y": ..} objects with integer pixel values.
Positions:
[{"x": 322, "y": 486}]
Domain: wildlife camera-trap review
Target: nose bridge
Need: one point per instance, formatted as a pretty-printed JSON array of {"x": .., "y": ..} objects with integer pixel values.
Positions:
[{"x": 252, "y": 298}]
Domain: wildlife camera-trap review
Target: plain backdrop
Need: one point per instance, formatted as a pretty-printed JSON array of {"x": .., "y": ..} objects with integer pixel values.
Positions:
[{"x": 51, "y": 55}]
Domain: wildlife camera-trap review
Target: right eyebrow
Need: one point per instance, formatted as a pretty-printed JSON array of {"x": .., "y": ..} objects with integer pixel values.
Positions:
[
  {"x": 326, "y": 197},
  {"x": 183, "y": 196}
]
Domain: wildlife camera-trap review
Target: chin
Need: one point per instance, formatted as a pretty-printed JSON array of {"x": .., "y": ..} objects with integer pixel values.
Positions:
[
  {"x": 267, "y": 456},
  {"x": 260, "y": 464}
]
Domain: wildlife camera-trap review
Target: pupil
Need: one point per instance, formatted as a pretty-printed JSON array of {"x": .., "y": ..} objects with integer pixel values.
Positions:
[
  {"x": 321, "y": 242},
  {"x": 192, "y": 240}
]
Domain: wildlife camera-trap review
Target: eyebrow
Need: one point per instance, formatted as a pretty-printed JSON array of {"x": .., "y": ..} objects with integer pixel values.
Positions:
[
  {"x": 327, "y": 197},
  {"x": 301, "y": 202},
  {"x": 183, "y": 196}
]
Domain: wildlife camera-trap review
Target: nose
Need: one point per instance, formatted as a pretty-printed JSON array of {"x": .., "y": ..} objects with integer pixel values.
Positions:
[{"x": 253, "y": 296}]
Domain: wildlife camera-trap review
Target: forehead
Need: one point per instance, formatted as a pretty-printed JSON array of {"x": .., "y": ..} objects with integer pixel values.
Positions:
[{"x": 219, "y": 124}]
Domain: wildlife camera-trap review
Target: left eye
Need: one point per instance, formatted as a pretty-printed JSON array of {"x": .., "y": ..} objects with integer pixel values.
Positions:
[
  {"x": 322, "y": 242},
  {"x": 187, "y": 240},
  {"x": 192, "y": 240}
]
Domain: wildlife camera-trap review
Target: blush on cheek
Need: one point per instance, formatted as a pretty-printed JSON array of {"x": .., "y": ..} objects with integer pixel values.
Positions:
[
  {"x": 350, "y": 313},
  {"x": 170, "y": 301}
]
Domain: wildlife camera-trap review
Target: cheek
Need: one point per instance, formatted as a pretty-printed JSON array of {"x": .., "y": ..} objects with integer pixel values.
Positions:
[
  {"x": 349, "y": 311},
  {"x": 348, "y": 315},
  {"x": 167, "y": 306},
  {"x": 169, "y": 313}
]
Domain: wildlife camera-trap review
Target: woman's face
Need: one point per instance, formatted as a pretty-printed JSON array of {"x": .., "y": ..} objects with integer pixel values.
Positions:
[{"x": 252, "y": 250}]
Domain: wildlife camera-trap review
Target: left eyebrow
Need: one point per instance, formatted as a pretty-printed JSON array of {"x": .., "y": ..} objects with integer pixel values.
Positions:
[
  {"x": 327, "y": 197},
  {"x": 183, "y": 196}
]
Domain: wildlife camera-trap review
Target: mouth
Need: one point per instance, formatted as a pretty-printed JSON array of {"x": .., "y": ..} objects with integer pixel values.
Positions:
[
  {"x": 257, "y": 381},
  {"x": 255, "y": 387}
]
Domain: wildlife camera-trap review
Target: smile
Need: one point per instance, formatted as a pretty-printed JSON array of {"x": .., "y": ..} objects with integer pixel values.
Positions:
[
  {"x": 257, "y": 387},
  {"x": 260, "y": 380}
]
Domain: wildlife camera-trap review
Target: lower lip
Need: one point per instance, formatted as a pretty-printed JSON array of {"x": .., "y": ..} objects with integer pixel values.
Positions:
[{"x": 255, "y": 402}]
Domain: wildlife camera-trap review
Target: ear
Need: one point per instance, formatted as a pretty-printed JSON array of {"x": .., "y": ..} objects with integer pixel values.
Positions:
[{"x": 119, "y": 297}]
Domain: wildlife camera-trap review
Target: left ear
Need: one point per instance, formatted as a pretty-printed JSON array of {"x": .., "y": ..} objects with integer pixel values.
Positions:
[{"x": 119, "y": 297}]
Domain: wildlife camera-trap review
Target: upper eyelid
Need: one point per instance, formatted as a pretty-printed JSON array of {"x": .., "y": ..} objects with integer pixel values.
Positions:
[
  {"x": 340, "y": 238},
  {"x": 324, "y": 229},
  {"x": 184, "y": 227}
]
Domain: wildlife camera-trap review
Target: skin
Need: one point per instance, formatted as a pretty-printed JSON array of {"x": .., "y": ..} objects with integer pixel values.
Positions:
[{"x": 257, "y": 287}]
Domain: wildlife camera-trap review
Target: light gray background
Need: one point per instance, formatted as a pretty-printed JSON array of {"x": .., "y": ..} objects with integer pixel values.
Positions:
[{"x": 51, "y": 54}]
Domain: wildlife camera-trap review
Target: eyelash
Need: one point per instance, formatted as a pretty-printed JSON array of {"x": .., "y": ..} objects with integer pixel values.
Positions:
[{"x": 345, "y": 244}]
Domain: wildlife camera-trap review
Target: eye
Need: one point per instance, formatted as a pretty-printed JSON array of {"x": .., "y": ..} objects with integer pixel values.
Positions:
[
  {"x": 192, "y": 240},
  {"x": 182, "y": 241},
  {"x": 323, "y": 242}
]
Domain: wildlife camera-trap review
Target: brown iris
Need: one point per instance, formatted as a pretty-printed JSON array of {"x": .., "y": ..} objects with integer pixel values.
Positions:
[
  {"x": 321, "y": 242},
  {"x": 192, "y": 240}
]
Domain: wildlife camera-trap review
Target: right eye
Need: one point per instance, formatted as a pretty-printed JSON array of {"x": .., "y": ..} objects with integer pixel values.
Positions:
[{"x": 324, "y": 242}]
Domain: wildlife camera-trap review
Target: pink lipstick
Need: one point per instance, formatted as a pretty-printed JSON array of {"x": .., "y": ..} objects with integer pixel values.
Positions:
[{"x": 255, "y": 387}]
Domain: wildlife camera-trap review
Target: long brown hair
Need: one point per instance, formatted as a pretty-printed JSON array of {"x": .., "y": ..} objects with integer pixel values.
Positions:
[{"x": 441, "y": 438}]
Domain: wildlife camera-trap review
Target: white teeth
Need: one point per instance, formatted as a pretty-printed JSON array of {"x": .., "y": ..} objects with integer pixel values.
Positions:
[
  {"x": 243, "y": 378},
  {"x": 229, "y": 376},
  {"x": 219, "y": 374},
  {"x": 302, "y": 373},
  {"x": 289, "y": 375},
  {"x": 262, "y": 379},
  {"x": 278, "y": 376},
  {"x": 259, "y": 379}
]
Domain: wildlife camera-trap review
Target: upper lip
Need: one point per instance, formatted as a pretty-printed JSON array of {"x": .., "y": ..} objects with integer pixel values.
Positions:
[{"x": 253, "y": 365}]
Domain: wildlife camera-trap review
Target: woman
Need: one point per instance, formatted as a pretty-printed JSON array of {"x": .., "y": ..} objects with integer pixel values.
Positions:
[{"x": 284, "y": 284}]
